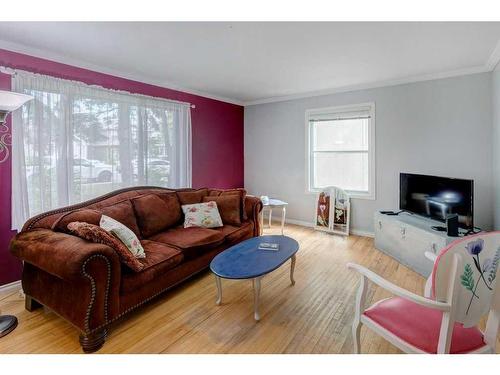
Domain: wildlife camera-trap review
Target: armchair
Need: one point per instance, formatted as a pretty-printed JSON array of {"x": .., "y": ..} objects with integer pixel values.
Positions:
[{"x": 461, "y": 289}]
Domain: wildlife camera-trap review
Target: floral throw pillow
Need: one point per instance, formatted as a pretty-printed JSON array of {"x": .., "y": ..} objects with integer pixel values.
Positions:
[
  {"x": 124, "y": 234},
  {"x": 96, "y": 234},
  {"x": 205, "y": 215}
]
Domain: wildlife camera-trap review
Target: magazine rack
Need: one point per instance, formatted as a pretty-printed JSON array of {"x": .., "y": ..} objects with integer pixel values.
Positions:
[{"x": 333, "y": 211}]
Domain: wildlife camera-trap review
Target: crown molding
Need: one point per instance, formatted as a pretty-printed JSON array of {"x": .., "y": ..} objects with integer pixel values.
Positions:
[
  {"x": 373, "y": 85},
  {"x": 491, "y": 64},
  {"x": 35, "y": 52}
]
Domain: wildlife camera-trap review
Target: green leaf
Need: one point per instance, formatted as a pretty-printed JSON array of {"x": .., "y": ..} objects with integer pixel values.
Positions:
[
  {"x": 494, "y": 265},
  {"x": 467, "y": 278}
]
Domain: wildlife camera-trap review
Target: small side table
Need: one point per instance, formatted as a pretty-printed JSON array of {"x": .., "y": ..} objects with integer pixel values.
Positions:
[{"x": 274, "y": 203}]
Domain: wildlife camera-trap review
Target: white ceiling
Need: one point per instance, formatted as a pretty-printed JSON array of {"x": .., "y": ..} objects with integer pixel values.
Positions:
[{"x": 248, "y": 63}]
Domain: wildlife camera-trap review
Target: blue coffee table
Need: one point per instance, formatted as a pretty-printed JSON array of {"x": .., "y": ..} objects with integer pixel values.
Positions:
[{"x": 246, "y": 261}]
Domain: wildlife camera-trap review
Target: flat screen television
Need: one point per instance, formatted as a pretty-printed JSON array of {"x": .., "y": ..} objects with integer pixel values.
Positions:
[{"x": 436, "y": 197}]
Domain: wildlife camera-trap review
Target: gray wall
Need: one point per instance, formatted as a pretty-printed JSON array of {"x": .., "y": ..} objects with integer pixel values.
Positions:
[
  {"x": 495, "y": 85},
  {"x": 441, "y": 127}
]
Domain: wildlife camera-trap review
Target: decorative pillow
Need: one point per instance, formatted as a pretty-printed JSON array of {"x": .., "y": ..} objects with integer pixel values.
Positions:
[
  {"x": 124, "y": 234},
  {"x": 86, "y": 215},
  {"x": 156, "y": 212},
  {"x": 229, "y": 208},
  {"x": 122, "y": 212},
  {"x": 238, "y": 191},
  {"x": 174, "y": 206},
  {"x": 192, "y": 196},
  {"x": 96, "y": 234},
  {"x": 205, "y": 215}
]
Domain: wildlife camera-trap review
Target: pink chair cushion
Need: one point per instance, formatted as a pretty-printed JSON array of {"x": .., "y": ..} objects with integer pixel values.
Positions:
[{"x": 419, "y": 326}]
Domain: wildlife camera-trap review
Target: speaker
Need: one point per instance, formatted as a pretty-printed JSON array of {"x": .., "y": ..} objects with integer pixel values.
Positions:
[{"x": 452, "y": 225}]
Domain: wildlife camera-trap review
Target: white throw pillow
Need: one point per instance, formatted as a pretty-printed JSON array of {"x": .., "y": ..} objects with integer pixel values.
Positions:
[
  {"x": 124, "y": 234},
  {"x": 205, "y": 215}
]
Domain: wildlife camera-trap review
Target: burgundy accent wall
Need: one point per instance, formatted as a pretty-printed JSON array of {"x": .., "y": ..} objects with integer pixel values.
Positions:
[
  {"x": 217, "y": 137},
  {"x": 10, "y": 267}
]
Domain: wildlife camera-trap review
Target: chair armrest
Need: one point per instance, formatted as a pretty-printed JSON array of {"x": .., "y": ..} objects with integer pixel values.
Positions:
[
  {"x": 396, "y": 290},
  {"x": 253, "y": 207},
  {"x": 60, "y": 254}
]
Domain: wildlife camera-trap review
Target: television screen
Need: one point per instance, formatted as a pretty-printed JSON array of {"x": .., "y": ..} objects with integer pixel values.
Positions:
[{"x": 436, "y": 197}]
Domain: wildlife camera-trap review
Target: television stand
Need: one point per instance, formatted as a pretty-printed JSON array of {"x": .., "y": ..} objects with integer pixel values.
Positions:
[{"x": 406, "y": 238}]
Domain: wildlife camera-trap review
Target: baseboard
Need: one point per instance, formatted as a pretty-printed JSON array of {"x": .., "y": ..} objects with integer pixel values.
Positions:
[
  {"x": 310, "y": 224},
  {"x": 299, "y": 222},
  {"x": 14, "y": 286},
  {"x": 362, "y": 233}
]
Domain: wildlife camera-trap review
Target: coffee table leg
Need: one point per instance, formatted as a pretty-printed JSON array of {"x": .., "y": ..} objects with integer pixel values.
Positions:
[
  {"x": 283, "y": 214},
  {"x": 256, "y": 296},
  {"x": 219, "y": 290},
  {"x": 292, "y": 269}
]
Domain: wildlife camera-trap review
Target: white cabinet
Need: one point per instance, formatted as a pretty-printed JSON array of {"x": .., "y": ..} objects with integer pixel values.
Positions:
[{"x": 407, "y": 237}]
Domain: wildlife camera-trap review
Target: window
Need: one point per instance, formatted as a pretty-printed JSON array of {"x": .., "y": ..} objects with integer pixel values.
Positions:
[
  {"x": 341, "y": 149},
  {"x": 75, "y": 142}
]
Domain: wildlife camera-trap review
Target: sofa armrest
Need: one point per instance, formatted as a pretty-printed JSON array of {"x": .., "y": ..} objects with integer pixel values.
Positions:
[
  {"x": 60, "y": 254},
  {"x": 78, "y": 279},
  {"x": 253, "y": 207}
]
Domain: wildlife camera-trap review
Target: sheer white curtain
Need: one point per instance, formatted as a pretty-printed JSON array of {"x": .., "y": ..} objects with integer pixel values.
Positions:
[{"x": 74, "y": 142}]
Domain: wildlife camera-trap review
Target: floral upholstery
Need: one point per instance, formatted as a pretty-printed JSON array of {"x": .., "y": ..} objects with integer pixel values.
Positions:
[
  {"x": 204, "y": 215},
  {"x": 480, "y": 257}
]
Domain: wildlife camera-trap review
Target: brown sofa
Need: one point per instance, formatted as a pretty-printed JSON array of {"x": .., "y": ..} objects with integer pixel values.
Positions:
[{"x": 88, "y": 285}]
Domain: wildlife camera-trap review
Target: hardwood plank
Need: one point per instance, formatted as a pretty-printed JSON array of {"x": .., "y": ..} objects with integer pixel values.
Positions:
[{"x": 314, "y": 316}]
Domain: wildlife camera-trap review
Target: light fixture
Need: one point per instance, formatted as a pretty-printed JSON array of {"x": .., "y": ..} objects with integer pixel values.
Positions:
[{"x": 9, "y": 101}]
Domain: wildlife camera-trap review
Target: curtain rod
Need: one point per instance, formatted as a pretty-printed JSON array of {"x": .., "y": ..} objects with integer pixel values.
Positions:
[{"x": 13, "y": 72}]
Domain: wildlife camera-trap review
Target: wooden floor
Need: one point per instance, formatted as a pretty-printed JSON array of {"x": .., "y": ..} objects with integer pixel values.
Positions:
[{"x": 314, "y": 316}]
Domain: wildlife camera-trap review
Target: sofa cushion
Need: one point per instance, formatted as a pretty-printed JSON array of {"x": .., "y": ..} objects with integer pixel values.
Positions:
[
  {"x": 239, "y": 192},
  {"x": 191, "y": 241},
  {"x": 160, "y": 258},
  {"x": 124, "y": 213},
  {"x": 234, "y": 234},
  {"x": 96, "y": 234},
  {"x": 172, "y": 200},
  {"x": 191, "y": 196},
  {"x": 84, "y": 215},
  {"x": 229, "y": 207},
  {"x": 156, "y": 213}
]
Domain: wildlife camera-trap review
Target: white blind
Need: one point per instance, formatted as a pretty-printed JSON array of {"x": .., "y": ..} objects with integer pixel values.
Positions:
[
  {"x": 361, "y": 113},
  {"x": 341, "y": 148}
]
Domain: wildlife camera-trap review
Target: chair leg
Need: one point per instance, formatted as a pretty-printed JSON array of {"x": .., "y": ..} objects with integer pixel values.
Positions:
[
  {"x": 356, "y": 325},
  {"x": 356, "y": 330},
  {"x": 92, "y": 342},
  {"x": 30, "y": 304}
]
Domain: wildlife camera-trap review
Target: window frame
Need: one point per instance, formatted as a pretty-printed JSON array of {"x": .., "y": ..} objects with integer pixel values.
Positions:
[{"x": 371, "y": 147}]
